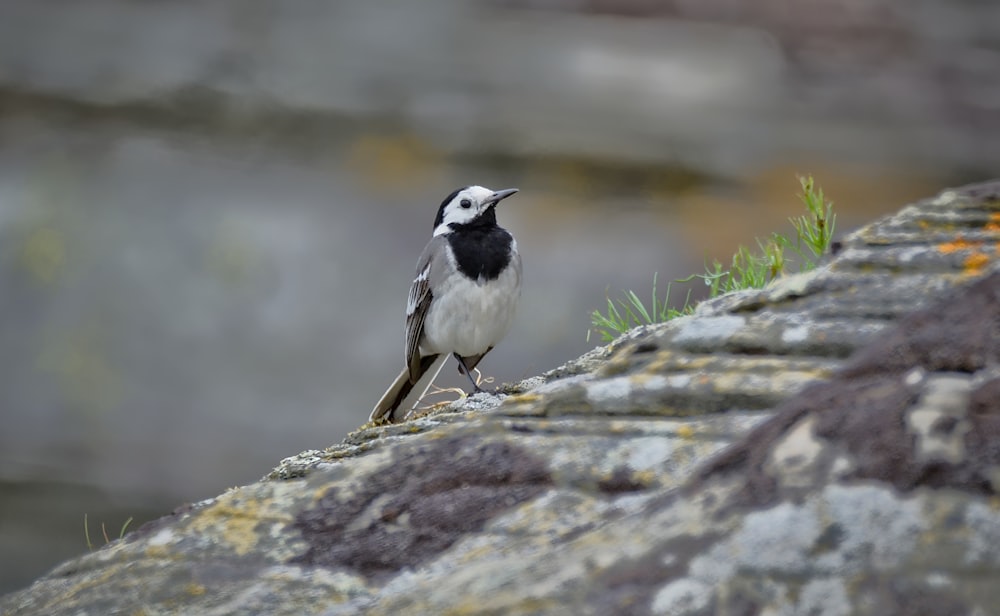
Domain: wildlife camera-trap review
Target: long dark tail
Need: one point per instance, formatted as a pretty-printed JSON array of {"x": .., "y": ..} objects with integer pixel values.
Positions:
[{"x": 399, "y": 391}]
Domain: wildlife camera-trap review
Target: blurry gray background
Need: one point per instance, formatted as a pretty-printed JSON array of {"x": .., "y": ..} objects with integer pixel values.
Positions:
[{"x": 210, "y": 209}]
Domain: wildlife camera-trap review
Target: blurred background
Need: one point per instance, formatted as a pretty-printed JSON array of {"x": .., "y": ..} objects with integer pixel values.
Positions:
[{"x": 210, "y": 210}]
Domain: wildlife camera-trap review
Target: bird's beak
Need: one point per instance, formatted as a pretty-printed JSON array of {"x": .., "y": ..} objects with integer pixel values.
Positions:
[{"x": 500, "y": 195}]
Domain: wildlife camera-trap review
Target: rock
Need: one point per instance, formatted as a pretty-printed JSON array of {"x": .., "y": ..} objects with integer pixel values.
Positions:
[{"x": 813, "y": 447}]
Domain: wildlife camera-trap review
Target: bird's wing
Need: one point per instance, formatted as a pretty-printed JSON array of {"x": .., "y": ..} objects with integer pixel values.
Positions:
[
  {"x": 416, "y": 310},
  {"x": 515, "y": 262},
  {"x": 420, "y": 300}
]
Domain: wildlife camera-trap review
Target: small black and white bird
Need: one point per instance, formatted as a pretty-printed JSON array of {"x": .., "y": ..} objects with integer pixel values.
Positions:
[{"x": 463, "y": 299}]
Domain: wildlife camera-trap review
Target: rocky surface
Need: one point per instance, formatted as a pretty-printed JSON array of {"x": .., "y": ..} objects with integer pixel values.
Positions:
[
  {"x": 183, "y": 182},
  {"x": 814, "y": 447}
]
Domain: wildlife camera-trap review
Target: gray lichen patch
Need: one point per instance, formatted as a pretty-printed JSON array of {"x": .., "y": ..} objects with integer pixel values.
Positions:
[
  {"x": 628, "y": 586},
  {"x": 937, "y": 421},
  {"x": 796, "y": 460},
  {"x": 827, "y": 553}
]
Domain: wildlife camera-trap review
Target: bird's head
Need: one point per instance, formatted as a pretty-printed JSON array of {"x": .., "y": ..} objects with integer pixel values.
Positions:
[{"x": 469, "y": 205}]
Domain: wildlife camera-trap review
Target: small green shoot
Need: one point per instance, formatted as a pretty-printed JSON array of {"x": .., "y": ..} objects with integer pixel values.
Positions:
[
  {"x": 624, "y": 314},
  {"x": 747, "y": 270},
  {"x": 123, "y": 529},
  {"x": 104, "y": 531},
  {"x": 86, "y": 533},
  {"x": 816, "y": 228}
]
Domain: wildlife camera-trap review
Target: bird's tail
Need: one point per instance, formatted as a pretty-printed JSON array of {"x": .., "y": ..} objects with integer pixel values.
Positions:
[{"x": 401, "y": 390}]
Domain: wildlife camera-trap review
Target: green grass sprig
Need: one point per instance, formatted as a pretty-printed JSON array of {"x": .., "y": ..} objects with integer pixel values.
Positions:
[{"x": 748, "y": 269}]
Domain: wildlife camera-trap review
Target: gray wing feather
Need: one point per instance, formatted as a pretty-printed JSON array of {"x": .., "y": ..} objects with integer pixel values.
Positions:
[
  {"x": 416, "y": 311},
  {"x": 515, "y": 262},
  {"x": 431, "y": 266}
]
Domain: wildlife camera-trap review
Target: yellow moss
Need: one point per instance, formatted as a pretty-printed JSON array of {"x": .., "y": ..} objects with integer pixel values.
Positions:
[
  {"x": 685, "y": 432},
  {"x": 112, "y": 572},
  {"x": 617, "y": 366},
  {"x": 646, "y": 478},
  {"x": 195, "y": 590},
  {"x": 234, "y": 517},
  {"x": 480, "y": 605},
  {"x": 320, "y": 492},
  {"x": 527, "y": 398},
  {"x": 344, "y": 452},
  {"x": 478, "y": 554},
  {"x": 431, "y": 409},
  {"x": 238, "y": 529},
  {"x": 158, "y": 552}
]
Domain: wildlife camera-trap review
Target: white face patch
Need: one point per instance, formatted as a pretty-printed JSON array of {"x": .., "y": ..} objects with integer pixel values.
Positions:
[{"x": 464, "y": 207}]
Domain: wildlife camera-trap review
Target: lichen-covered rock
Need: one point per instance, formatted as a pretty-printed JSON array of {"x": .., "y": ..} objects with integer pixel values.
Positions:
[{"x": 731, "y": 462}]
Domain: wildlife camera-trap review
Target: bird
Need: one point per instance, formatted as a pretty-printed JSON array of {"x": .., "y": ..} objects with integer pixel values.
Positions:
[{"x": 463, "y": 299}]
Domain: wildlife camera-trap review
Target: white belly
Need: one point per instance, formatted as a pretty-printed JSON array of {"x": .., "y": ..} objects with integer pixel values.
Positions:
[{"x": 468, "y": 318}]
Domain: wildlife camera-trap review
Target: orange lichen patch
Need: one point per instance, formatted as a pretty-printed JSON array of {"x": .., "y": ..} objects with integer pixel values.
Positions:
[
  {"x": 994, "y": 222},
  {"x": 978, "y": 256},
  {"x": 975, "y": 262},
  {"x": 959, "y": 244}
]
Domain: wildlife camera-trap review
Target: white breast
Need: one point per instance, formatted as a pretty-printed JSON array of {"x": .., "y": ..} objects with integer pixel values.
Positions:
[{"x": 468, "y": 317}]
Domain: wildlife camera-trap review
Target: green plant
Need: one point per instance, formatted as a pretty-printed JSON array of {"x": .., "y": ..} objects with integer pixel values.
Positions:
[
  {"x": 747, "y": 270},
  {"x": 624, "y": 314},
  {"x": 104, "y": 531},
  {"x": 815, "y": 228}
]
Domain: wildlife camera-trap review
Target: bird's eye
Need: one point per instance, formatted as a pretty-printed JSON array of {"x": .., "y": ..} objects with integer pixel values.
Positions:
[{"x": 466, "y": 204}]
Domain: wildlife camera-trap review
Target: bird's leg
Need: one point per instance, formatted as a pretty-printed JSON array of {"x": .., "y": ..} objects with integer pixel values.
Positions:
[{"x": 465, "y": 370}]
